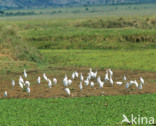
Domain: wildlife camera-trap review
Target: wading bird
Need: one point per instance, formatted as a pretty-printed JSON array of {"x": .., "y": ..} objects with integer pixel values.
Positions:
[
  {"x": 92, "y": 84},
  {"x": 45, "y": 77},
  {"x": 119, "y": 83},
  {"x": 5, "y": 94},
  {"x": 13, "y": 83},
  {"x": 54, "y": 81},
  {"x": 25, "y": 73},
  {"x": 86, "y": 82},
  {"x": 67, "y": 90},
  {"x": 49, "y": 83},
  {"x": 81, "y": 77},
  {"x": 27, "y": 84},
  {"x": 39, "y": 80},
  {"x": 28, "y": 90},
  {"x": 81, "y": 86}
]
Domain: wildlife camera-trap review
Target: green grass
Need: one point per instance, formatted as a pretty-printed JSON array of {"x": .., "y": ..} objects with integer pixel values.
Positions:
[
  {"x": 89, "y": 111},
  {"x": 115, "y": 59}
]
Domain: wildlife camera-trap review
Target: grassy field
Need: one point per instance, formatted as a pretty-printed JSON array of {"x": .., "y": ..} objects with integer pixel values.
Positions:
[
  {"x": 100, "y": 37},
  {"x": 143, "y": 60},
  {"x": 90, "y": 111}
]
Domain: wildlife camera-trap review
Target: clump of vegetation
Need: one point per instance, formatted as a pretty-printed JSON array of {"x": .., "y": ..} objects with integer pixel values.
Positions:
[
  {"x": 118, "y": 23},
  {"x": 14, "y": 47}
]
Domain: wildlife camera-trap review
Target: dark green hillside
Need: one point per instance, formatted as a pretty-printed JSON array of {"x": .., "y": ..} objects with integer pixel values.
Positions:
[{"x": 8, "y": 4}]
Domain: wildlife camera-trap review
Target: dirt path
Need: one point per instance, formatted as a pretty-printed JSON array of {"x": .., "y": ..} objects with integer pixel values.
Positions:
[{"x": 42, "y": 90}]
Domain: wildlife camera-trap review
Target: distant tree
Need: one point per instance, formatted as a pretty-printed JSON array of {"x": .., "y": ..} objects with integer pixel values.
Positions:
[
  {"x": 86, "y": 9},
  {"x": 1, "y": 12}
]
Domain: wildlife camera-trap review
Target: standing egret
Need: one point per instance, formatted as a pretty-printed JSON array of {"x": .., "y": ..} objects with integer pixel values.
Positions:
[
  {"x": 140, "y": 86},
  {"x": 141, "y": 80},
  {"x": 13, "y": 83},
  {"x": 81, "y": 77},
  {"x": 73, "y": 75},
  {"x": 25, "y": 73},
  {"x": 124, "y": 78},
  {"x": 89, "y": 76},
  {"x": 94, "y": 74},
  {"x": 5, "y": 94},
  {"x": 106, "y": 77},
  {"x": 21, "y": 79},
  {"x": 76, "y": 74},
  {"x": 67, "y": 90},
  {"x": 92, "y": 84},
  {"x": 86, "y": 82},
  {"x": 69, "y": 82},
  {"x": 100, "y": 82},
  {"x": 28, "y": 90},
  {"x": 98, "y": 79},
  {"x": 21, "y": 84},
  {"x": 81, "y": 86},
  {"x": 49, "y": 83},
  {"x": 136, "y": 84},
  {"x": 65, "y": 82},
  {"x": 45, "y": 77},
  {"x": 127, "y": 85},
  {"x": 111, "y": 72},
  {"x": 119, "y": 83},
  {"x": 27, "y": 84},
  {"x": 54, "y": 81},
  {"x": 39, "y": 80}
]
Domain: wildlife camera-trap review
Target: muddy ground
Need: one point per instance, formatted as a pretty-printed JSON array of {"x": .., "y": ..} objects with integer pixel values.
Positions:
[{"x": 42, "y": 90}]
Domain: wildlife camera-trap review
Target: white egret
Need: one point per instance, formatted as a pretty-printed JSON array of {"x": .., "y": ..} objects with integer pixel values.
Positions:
[
  {"x": 81, "y": 86},
  {"x": 28, "y": 90},
  {"x": 67, "y": 90},
  {"x": 27, "y": 84},
  {"x": 89, "y": 76},
  {"x": 54, "y": 81},
  {"x": 136, "y": 84},
  {"x": 39, "y": 80},
  {"x": 21, "y": 79},
  {"x": 81, "y": 77},
  {"x": 73, "y": 75},
  {"x": 13, "y": 83},
  {"x": 49, "y": 83},
  {"x": 5, "y": 94},
  {"x": 111, "y": 81},
  {"x": 65, "y": 82},
  {"x": 21, "y": 84},
  {"x": 140, "y": 86},
  {"x": 92, "y": 84},
  {"x": 119, "y": 83},
  {"x": 124, "y": 78},
  {"x": 25, "y": 73},
  {"x": 94, "y": 74},
  {"x": 69, "y": 82},
  {"x": 76, "y": 74},
  {"x": 111, "y": 72},
  {"x": 106, "y": 77},
  {"x": 101, "y": 84},
  {"x": 141, "y": 80},
  {"x": 86, "y": 82},
  {"x": 45, "y": 77},
  {"x": 127, "y": 85}
]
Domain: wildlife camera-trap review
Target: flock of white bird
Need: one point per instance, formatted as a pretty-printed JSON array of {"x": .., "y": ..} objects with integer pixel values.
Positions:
[{"x": 89, "y": 81}]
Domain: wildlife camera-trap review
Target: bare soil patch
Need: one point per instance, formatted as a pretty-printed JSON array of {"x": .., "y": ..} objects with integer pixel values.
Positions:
[{"x": 42, "y": 90}]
